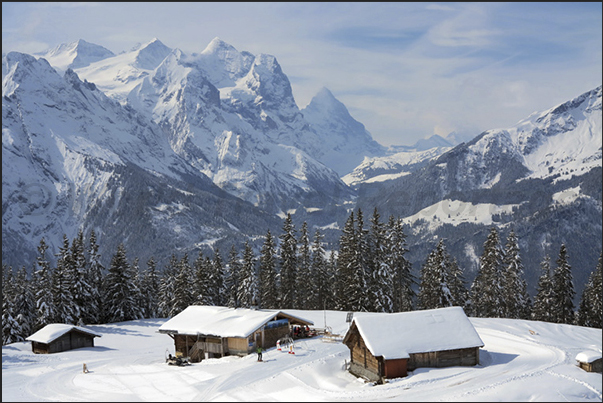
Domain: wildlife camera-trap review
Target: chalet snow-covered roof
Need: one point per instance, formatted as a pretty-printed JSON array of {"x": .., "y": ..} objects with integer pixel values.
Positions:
[
  {"x": 396, "y": 335},
  {"x": 588, "y": 356},
  {"x": 222, "y": 321},
  {"x": 53, "y": 331}
]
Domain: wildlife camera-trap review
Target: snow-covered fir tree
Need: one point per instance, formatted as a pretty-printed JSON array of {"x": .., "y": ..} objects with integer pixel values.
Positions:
[
  {"x": 303, "y": 273},
  {"x": 42, "y": 289},
  {"x": 544, "y": 293},
  {"x": 61, "y": 286},
  {"x": 381, "y": 279},
  {"x": 150, "y": 290},
  {"x": 334, "y": 289},
  {"x": 486, "y": 290},
  {"x": 217, "y": 279},
  {"x": 166, "y": 287},
  {"x": 348, "y": 284},
  {"x": 202, "y": 268},
  {"x": 80, "y": 287},
  {"x": 231, "y": 278},
  {"x": 515, "y": 295},
  {"x": 563, "y": 290},
  {"x": 183, "y": 287},
  {"x": 120, "y": 291},
  {"x": 268, "y": 294},
  {"x": 590, "y": 312},
  {"x": 23, "y": 303},
  {"x": 288, "y": 264},
  {"x": 403, "y": 280},
  {"x": 246, "y": 290},
  {"x": 11, "y": 331},
  {"x": 320, "y": 279},
  {"x": 433, "y": 287},
  {"x": 456, "y": 285},
  {"x": 95, "y": 278}
]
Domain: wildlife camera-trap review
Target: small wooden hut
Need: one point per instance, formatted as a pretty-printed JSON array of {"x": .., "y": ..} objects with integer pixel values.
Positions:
[
  {"x": 384, "y": 346},
  {"x": 220, "y": 331},
  {"x": 57, "y": 337},
  {"x": 590, "y": 361}
]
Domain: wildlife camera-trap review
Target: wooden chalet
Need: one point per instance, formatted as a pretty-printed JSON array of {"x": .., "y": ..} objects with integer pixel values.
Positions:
[
  {"x": 384, "y": 346},
  {"x": 57, "y": 337},
  {"x": 220, "y": 331},
  {"x": 590, "y": 361}
]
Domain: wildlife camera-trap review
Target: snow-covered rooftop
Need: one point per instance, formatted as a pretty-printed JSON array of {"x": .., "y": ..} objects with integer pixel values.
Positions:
[
  {"x": 222, "y": 321},
  {"x": 396, "y": 335},
  {"x": 588, "y": 356},
  {"x": 53, "y": 331}
]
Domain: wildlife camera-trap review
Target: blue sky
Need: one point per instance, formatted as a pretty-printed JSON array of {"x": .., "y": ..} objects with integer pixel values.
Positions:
[{"x": 405, "y": 70}]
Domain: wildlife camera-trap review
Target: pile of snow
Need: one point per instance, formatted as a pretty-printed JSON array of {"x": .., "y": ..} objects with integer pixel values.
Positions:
[{"x": 521, "y": 361}]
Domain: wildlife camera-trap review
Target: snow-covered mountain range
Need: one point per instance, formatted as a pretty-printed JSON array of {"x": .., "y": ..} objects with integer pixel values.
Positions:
[
  {"x": 541, "y": 177},
  {"x": 155, "y": 146}
]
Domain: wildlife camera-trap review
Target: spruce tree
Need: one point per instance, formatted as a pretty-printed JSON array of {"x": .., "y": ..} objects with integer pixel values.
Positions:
[
  {"x": 334, "y": 288},
  {"x": 348, "y": 289},
  {"x": 120, "y": 291},
  {"x": 23, "y": 303},
  {"x": 544, "y": 293},
  {"x": 11, "y": 331},
  {"x": 42, "y": 289},
  {"x": 591, "y": 307},
  {"x": 166, "y": 287},
  {"x": 150, "y": 289},
  {"x": 381, "y": 279},
  {"x": 320, "y": 277},
  {"x": 80, "y": 287},
  {"x": 288, "y": 264},
  {"x": 217, "y": 279},
  {"x": 433, "y": 287},
  {"x": 201, "y": 284},
  {"x": 403, "y": 280},
  {"x": 303, "y": 275},
  {"x": 517, "y": 303},
  {"x": 183, "y": 287},
  {"x": 456, "y": 284},
  {"x": 95, "y": 278},
  {"x": 486, "y": 290},
  {"x": 268, "y": 294},
  {"x": 563, "y": 290},
  {"x": 61, "y": 286},
  {"x": 231, "y": 280},
  {"x": 246, "y": 290}
]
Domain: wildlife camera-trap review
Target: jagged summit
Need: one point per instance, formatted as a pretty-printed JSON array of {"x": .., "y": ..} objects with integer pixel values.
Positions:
[
  {"x": 75, "y": 55},
  {"x": 150, "y": 55},
  {"x": 216, "y": 45}
]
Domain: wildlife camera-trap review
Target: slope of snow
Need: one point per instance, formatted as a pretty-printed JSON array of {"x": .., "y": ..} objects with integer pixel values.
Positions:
[
  {"x": 380, "y": 169},
  {"x": 75, "y": 55},
  {"x": 521, "y": 361},
  {"x": 455, "y": 212},
  {"x": 118, "y": 75}
]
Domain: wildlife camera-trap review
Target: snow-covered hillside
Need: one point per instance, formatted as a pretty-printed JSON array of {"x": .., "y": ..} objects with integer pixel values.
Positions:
[{"x": 521, "y": 361}]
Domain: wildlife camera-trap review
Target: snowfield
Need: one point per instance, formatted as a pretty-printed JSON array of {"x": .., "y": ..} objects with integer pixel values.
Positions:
[{"x": 521, "y": 361}]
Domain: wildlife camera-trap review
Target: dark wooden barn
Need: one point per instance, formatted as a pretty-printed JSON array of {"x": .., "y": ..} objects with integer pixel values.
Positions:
[
  {"x": 590, "y": 361},
  {"x": 57, "y": 337},
  {"x": 385, "y": 346},
  {"x": 216, "y": 331}
]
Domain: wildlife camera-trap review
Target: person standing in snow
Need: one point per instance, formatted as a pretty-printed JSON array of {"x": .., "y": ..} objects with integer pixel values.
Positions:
[{"x": 259, "y": 351}]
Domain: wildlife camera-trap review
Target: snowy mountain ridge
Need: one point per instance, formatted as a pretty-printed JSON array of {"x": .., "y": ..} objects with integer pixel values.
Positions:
[{"x": 73, "y": 158}]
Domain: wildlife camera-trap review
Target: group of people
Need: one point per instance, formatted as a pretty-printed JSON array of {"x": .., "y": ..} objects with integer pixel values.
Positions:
[{"x": 300, "y": 332}]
